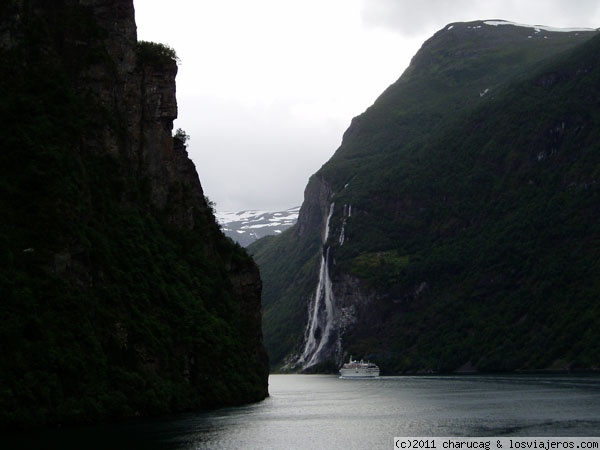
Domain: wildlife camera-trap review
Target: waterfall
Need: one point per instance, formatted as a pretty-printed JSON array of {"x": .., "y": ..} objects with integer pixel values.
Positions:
[
  {"x": 321, "y": 313},
  {"x": 347, "y": 213},
  {"x": 326, "y": 236}
]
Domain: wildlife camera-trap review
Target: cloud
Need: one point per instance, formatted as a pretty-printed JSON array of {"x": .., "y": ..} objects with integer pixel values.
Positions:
[
  {"x": 256, "y": 156},
  {"x": 410, "y": 18},
  {"x": 266, "y": 88}
]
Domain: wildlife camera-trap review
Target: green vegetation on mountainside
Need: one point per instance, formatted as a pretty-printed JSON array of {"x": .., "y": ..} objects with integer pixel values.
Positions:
[
  {"x": 505, "y": 238},
  {"x": 286, "y": 266},
  {"x": 453, "y": 72},
  {"x": 475, "y": 217}
]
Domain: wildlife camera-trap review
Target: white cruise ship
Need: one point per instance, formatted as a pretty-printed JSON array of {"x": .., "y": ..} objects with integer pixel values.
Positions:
[{"x": 359, "y": 369}]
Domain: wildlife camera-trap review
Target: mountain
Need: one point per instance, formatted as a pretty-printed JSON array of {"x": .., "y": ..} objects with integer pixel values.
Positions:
[
  {"x": 456, "y": 227},
  {"x": 245, "y": 227},
  {"x": 120, "y": 295}
]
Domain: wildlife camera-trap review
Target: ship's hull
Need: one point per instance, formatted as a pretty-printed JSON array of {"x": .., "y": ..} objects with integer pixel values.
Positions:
[{"x": 359, "y": 373}]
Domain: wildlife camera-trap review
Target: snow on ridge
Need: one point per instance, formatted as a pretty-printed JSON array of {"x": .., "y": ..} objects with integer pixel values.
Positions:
[
  {"x": 229, "y": 216},
  {"x": 224, "y": 217},
  {"x": 263, "y": 225},
  {"x": 247, "y": 226},
  {"x": 537, "y": 28},
  {"x": 257, "y": 218}
]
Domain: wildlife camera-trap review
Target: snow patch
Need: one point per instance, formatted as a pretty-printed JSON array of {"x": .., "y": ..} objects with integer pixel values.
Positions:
[{"x": 537, "y": 28}]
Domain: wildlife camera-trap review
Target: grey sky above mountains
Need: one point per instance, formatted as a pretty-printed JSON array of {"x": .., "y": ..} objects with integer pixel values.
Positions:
[{"x": 266, "y": 88}]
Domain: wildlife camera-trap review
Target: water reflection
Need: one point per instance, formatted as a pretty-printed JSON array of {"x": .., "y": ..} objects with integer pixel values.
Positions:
[{"x": 318, "y": 411}]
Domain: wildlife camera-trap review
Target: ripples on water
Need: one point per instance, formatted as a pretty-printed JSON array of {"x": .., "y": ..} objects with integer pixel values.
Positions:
[{"x": 322, "y": 411}]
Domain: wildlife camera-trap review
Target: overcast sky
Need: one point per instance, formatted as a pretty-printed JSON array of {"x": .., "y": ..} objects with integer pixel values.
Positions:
[{"x": 266, "y": 88}]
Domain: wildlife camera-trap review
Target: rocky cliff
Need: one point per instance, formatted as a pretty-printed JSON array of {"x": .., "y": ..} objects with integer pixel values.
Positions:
[
  {"x": 456, "y": 225},
  {"x": 120, "y": 295}
]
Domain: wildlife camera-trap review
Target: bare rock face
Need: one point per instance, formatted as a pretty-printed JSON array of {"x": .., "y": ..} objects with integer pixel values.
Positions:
[{"x": 314, "y": 210}]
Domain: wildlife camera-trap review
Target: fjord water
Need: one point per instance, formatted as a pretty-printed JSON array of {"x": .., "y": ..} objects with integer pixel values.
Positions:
[{"x": 326, "y": 412}]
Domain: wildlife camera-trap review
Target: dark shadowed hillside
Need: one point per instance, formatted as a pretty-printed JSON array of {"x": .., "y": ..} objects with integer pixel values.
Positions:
[
  {"x": 457, "y": 226},
  {"x": 119, "y": 294}
]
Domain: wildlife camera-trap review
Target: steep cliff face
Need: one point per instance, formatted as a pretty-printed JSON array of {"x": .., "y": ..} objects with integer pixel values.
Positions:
[
  {"x": 120, "y": 293},
  {"x": 453, "y": 201}
]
